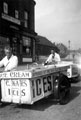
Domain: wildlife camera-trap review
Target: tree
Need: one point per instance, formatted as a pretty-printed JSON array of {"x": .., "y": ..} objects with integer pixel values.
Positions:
[{"x": 63, "y": 50}]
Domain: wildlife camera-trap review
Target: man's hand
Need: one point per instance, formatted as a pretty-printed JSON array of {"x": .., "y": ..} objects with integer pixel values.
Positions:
[{"x": 46, "y": 63}]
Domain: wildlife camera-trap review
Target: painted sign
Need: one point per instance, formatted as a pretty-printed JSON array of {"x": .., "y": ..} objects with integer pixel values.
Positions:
[
  {"x": 11, "y": 19},
  {"x": 42, "y": 85},
  {"x": 15, "y": 85},
  {"x": 15, "y": 74},
  {"x": 16, "y": 90}
]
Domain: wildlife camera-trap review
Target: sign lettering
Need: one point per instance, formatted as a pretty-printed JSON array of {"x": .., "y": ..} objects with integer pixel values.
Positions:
[
  {"x": 49, "y": 83},
  {"x": 13, "y": 87},
  {"x": 16, "y": 92},
  {"x": 38, "y": 83},
  {"x": 16, "y": 83},
  {"x": 15, "y": 74},
  {"x": 42, "y": 85},
  {"x": 23, "y": 93},
  {"x": 45, "y": 84}
]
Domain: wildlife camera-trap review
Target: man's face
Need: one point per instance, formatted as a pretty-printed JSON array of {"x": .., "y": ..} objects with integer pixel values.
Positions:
[
  {"x": 8, "y": 53},
  {"x": 52, "y": 52}
]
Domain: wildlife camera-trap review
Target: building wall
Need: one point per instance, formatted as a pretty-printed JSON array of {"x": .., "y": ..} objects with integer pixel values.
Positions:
[{"x": 17, "y": 27}]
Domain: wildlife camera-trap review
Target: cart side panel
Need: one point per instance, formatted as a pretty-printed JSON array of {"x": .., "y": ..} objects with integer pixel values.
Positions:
[
  {"x": 69, "y": 72},
  {"x": 73, "y": 71},
  {"x": 16, "y": 90},
  {"x": 42, "y": 87}
]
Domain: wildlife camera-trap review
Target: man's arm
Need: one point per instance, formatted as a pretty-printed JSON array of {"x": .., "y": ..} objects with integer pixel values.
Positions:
[
  {"x": 49, "y": 60},
  {"x": 2, "y": 63}
]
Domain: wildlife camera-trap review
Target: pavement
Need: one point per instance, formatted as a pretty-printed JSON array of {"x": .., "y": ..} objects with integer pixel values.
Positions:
[{"x": 46, "y": 109}]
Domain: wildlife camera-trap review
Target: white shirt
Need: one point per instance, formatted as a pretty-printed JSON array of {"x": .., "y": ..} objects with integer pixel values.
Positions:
[
  {"x": 9, "y": 64},
  {"x": 52, "y": 58}
]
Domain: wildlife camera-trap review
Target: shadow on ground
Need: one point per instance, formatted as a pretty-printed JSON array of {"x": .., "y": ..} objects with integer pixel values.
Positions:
[
  {"x": 75, "y": 90},
  {"x": 40, "y": 105}
]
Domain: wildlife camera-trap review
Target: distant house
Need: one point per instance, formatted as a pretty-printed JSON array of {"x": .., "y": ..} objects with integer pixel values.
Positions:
[{"x": 44, "y": 46}]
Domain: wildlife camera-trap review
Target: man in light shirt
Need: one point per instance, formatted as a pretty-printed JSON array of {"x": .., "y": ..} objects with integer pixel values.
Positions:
[
  {"x": 53, "y": 58},
  {"x": 9, "y": 62}
]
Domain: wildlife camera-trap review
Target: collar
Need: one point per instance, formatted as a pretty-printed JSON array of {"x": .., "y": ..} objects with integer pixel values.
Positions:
[{"x": 9, "y": 58}]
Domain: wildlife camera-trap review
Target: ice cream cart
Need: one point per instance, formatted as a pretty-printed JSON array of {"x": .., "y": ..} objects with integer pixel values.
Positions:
[{"x": 29, "y": 85}]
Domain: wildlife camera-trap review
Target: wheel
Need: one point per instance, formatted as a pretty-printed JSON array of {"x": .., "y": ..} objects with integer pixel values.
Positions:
[{"x": 62, "y": 89}]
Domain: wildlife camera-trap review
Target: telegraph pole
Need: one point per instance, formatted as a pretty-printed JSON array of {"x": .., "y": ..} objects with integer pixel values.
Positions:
[{"x": 69, "y": 47}]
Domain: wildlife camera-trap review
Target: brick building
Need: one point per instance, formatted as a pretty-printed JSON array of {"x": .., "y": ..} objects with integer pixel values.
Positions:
[{"x": 17, "y": 28}]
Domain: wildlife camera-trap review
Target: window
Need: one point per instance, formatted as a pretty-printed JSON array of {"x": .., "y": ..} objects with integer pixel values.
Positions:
[
  {"x": 3, "y": 41},
  {"x": 25, "y": 24},
  {"x": 26, "y": 15},
  {"x": 26, "y": 46},
  {"x": 26, "y": 41},
  {"x": 5, "y": 8},
  {"x": 25, "y": 19},
  {"x": 16, "y": 14}
]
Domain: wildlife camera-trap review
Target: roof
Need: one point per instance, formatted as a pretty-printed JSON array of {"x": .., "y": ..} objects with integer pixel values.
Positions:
[{"x": 44, "y": 41}]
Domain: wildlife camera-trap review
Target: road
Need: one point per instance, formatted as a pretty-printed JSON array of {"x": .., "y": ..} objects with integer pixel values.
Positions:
[{"x": 46, "y": 109}]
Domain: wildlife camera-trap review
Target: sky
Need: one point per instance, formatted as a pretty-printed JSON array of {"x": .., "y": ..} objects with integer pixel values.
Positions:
[{"x": 59, "y": 21}]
